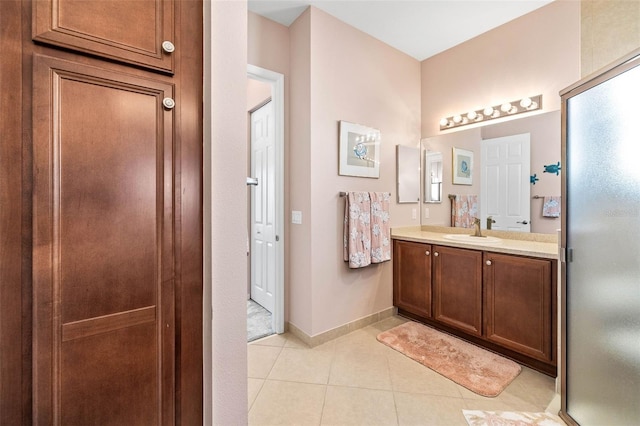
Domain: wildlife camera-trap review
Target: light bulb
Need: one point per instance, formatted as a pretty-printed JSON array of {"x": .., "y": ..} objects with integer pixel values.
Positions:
[
  {"x": 488, "y": 111},
  {"x": 525, "y": 102},
  {"x": 534, "y": 105},
  {"x": 457, "y": 119},
  {"x": 443, "y": 122},
  {"x": 472, "y": 115},
  {"x": 506, "y": 107}
]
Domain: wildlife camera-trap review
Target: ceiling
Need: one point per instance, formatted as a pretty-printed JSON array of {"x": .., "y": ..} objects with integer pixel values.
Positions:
[{"x": 420, "y": 28}]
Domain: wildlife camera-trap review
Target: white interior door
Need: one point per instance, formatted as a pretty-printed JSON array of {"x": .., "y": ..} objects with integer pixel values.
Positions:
[
  {"x": 263, "y": 236},
  {"x": 505, "y": 189}
]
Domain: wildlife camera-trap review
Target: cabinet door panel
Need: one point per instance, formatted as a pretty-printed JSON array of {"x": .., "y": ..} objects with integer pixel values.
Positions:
[
  {"x": 518, "y": 304},
  {"x": 103, "y": 339},
  {"x": 412, "y": 277},
  {"x": 131, "y": 31},
  {"x": 457, "y": 288}
]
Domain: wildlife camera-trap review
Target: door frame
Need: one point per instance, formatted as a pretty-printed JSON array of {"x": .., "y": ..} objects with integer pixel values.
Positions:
[{"x": 276, "y": 80}]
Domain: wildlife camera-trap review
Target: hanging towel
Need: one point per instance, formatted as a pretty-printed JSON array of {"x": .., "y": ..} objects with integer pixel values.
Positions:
[
  {"x": 464, "y": 208},
  {"x": 357, "y": 229},
  {"x": 367, "y": 234},
  {"x": 551, "y": 206},
  {"x": 380, "y": 229}
]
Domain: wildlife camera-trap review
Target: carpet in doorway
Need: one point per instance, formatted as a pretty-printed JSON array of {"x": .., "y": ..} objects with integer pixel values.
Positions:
[
  {"x": 510, "y": 418},
  {"x": 258, "y": 321},
  {"x": 477, "y": 369}
]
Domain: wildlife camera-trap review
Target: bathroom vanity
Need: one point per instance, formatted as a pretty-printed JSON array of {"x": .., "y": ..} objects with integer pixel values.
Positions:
[{"x": 498, "y": 292}]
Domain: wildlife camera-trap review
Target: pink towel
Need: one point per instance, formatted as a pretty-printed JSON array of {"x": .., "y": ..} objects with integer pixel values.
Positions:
[
  {"x": 464, "y": 208},
  {"x": 366, "y": 228},
  {"x": 380, "y": 229}
]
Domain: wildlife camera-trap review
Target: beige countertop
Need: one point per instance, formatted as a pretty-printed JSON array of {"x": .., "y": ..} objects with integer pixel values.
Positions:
[{"x": 524, "y": 244}]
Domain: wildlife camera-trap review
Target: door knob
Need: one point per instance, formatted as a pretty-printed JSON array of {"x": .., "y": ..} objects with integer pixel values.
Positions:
[
  {"x": 252, "y": 181},
  {"x": 168, "y": 103},
  {"x": 168, "y": 47},
  {"x": 524, "y": 222},
  {"x": 488, "y": 262},
  {"x": 436, "y": 254},
  {"x": 427, "y": 253}
]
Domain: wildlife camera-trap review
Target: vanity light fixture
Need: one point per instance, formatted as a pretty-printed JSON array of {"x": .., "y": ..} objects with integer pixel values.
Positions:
[{"x": 492, "y": 112}]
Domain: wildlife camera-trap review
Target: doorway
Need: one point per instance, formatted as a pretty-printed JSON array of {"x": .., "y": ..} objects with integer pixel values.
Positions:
[
  {"x": 265, "y": 223},
  {"x": 505, "y": 188}
]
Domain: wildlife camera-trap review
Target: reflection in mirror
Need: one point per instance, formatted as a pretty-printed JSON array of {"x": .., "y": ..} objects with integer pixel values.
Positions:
[
  {"x": 408, "y": 174},
  {"x": 433, "y": 177},
  {"x": 544, "y": 130}
]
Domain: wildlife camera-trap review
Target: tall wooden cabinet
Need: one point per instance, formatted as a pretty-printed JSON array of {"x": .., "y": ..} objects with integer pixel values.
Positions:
[{"x": 106, "y": 212}]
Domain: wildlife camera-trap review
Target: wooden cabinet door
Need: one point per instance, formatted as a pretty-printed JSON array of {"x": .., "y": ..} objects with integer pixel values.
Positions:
[
  {"x": 131, "y": 31},
  {"x": 412, "y": 277},
  {"x": 457, "y": 288},
  {"x": 518, "y": 304},
  {"x": 103, "y": 247}
]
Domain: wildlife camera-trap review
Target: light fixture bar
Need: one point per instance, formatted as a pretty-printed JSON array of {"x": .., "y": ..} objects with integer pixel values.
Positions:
[{"x": 506, "y": 109}]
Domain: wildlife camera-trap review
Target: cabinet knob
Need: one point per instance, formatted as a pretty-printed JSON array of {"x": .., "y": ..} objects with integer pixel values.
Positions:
[
  {"x": 488, "y": 262},
  {"x": 435, "y": 253},
  {"x": 168, "y": 103},
  {"x": 427, "y": 253},
  {"x": 168, "y": 47}
]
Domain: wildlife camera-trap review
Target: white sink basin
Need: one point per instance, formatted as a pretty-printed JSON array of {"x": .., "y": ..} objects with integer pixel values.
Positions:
[{"x": 466, "y": 238}]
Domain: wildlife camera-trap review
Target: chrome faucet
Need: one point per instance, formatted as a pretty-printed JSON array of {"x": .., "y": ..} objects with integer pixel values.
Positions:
[{"x": 476, "y": 224}]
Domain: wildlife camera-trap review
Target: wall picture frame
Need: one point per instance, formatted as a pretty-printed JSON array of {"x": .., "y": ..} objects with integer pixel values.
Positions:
[
  {"x": 359, "y": 152},
  {"x": 462, "y": 167}
]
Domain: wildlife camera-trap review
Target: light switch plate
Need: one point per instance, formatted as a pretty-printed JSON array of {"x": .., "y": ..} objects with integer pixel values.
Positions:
[{"x": 296, "y": 217}]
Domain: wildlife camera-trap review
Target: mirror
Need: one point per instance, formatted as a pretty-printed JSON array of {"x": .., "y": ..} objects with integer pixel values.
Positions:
[
  {"x": 408, "y": 174},
  {"x": 545, "y": 133},
  {"x": 432, "y": 177}
]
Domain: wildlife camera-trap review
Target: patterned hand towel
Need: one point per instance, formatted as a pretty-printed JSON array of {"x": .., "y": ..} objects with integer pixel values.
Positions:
[
  {"x": 357, "y": 229},
  {"x": 380, "y": 229},
  {"x": 551, "y": 206}
]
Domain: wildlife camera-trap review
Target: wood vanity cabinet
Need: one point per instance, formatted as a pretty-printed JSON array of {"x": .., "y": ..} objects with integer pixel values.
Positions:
[
  {"x": 412, "y": 277},
  {"x": 503, "y": 302},
  {"x": 519, "y": 304},
  {"x": 457, "y": 288}
]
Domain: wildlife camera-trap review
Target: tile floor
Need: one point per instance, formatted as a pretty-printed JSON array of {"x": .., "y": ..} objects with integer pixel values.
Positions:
[{"x": 357, "y": 380}]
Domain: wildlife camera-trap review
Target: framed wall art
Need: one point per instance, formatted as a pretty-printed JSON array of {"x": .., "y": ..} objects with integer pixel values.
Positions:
[
  {"x": 359, "y": 153},
  {"x": 462, "y": 167}
]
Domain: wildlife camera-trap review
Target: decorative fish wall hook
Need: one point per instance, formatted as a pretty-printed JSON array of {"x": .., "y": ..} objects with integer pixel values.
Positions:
[
  {"x": 533, "y": 179},
  {"x": 552, "y": 168}
]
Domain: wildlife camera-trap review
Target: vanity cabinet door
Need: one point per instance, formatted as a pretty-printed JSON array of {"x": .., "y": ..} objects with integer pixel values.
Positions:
[
  {"x": 457, "y": 288},
  {"x": 519, "y": 307},
  {"x": 412, "y": 277}
]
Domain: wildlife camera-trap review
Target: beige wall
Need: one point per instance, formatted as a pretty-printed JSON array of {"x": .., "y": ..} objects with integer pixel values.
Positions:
[
  {"x": 257, "y": 93},
  {"x": 299, "y": 287},
  {"x": 343, "y": 75},
  {"x": 378, "y": 87},
  {"x": 537, "y": 53},
  {"x": 225, "y": 115},
  {"x": 610, "y": 30}
]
